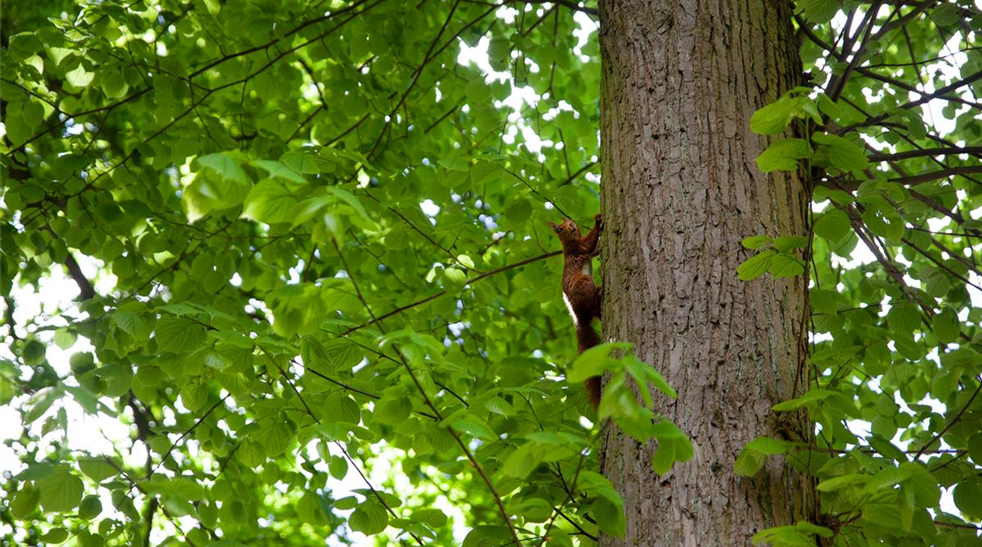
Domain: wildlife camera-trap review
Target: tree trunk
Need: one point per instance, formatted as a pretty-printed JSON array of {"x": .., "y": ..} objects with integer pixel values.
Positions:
[{"x": 680, "y": 190}]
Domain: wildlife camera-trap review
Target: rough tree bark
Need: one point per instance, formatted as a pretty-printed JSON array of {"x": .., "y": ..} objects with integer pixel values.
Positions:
[{"x": 680, "y": 190}]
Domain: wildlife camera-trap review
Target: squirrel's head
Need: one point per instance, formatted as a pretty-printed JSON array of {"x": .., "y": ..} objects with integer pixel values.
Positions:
[{"x": 566, "y": 230}]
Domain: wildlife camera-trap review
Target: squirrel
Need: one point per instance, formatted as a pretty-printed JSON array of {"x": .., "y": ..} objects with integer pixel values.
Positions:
[{"x": 580, "y": 291}]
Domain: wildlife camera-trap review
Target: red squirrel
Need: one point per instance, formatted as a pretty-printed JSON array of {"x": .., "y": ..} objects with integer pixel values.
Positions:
[{"x": 580, "y": 292}]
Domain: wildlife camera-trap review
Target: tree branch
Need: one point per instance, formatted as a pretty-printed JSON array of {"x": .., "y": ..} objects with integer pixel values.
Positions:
[
  {"x": 912, "y": 180},
  {"x": 86, "y": 290},
  {"x": 467, "y": 452},
  {"x": 953, "y": 421},
  {"x": 432, "y": 297},
  {"x": 317, "y": 420},
  {"x": 925, "y": 97},
  {"x": 568, "y": 4},
  {"x": 931, "y": 152}
]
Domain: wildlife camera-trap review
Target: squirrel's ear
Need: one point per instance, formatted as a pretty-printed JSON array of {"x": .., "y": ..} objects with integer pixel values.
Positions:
[{"x": 553, "y": 225}]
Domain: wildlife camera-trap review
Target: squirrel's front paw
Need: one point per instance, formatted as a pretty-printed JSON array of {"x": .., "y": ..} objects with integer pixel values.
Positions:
[{"x": 599, "y": 218}]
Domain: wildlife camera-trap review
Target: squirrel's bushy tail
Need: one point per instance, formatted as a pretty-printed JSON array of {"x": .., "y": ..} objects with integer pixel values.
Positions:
[{"x": 587, "y": 337}]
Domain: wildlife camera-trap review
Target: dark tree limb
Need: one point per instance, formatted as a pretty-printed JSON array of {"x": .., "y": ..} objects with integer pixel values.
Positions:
[
  {"x": 86, "y": 290},
  {"x": 929, "y": 152},
  {"x": 912, "y": 180}
]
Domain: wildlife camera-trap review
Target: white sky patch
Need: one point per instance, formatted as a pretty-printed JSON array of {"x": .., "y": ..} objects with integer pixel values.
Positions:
[
  {"x": 478, "y": 55},
  {"x": 94, "y": 434},
  {"x": 429, "y": 208},
  {"x": 587, "y": 27}
]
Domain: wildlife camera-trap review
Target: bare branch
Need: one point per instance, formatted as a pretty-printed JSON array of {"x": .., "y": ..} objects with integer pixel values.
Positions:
[
  {"x": 432, "y": 297},
  {"x": 912, "y": 180},
  {"x": 926, "y": 152},
  {"x": 86, "y": 290},
  {"x": 954, "y": 420}
]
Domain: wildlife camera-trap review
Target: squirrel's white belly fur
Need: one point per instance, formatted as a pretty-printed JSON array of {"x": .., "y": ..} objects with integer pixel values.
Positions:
[
  {"x": 570, "y": 308},
  {"x": 587, "y": 270}
]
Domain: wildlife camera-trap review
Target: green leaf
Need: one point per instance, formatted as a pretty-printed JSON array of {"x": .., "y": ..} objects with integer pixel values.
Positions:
[
  {"x": 331, "y": 357},
  {"x": 55, "y": 536},
  {"x": 838, "y": 483},
  {"x": 785, "y": 265},
  {"x": 673, "y": 446},
  {"x": 908, "y": 347},
  {"x": 345, "y": 504},
  {"x": 225, "y": 165},
  {"x": 79, "y": 77},
  {"x": 342, "y": 410},
  {"x": 279, "y": 170},
  {"x": 833, "y": 225},
  {"x": 275, "y": 436},
  {"x": 61, "y": 491},
  {"x": 309, "y": 510},
  {"x": 23, "y": 45},
  {"x": 823, "y": 301},
  {"x": 884, "y": 223},
  {"x": 968, "y": 497},
  {"x": 90, "y": 508},
  {"x": 808, "y": 399},
  {"x": 33, "y": 113},
  {"x": 369, "y": 518},
  {"x": 904, "y": 318},
  {"x": 118, "y": 379},
  {"x": 25, "y": 501},
  {"x": 818, "y": 12},
  {"x": 523, "y": 460},
  {"x": 946, "y": 326},
  {"x": 755, "y": 454},
  {"x": 594, "y": 361},
  {"x": 783, "y": 155},
  {"x": 519, "y": 212},
  {"x": 487, "y": 536},
  {"x": 178, "y": 335},
  {"x": 97, "y": 469},
  {"x": 269, "y": 202},
  {"x": 791, "y": 536},
  {"x": 65, "y": 338},
  {"x": 456, "y": 163},
  {"x": 937, "y": 284},
  {"x": 434, "y": 518},
  {"x": 756, "y": 242},
  {"x": 455, "y": 279},
  {"x": 946, "y": 14},
  {"x": 114, "y": 85},
  {"x": 393, "y": 409},
  {"x": 40, "y": 402},
  {"x": 34, "y": 352},
  {"x": 306, "y": 162},
  {"x": 338, "y": 467},
  {"x": 787, "y": 243},
  {"x": 643, "y": 373},
  {"x": 843, "y": 153},
  {"x": 755, "y": 266},
  {"x": 975, "y": 447},
  {"x": 194, "y": 395},
  {"x": 472, "y": 425},
  {"x": 610, "y": 518},
  {"x": 825, "y": 104},
  {"x": 499, "y": 406},
  {"x": 773, "y": 118}
]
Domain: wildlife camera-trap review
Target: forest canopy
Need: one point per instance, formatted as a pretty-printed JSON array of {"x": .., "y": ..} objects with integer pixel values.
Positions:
[{"x": 279, "y": 273}]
